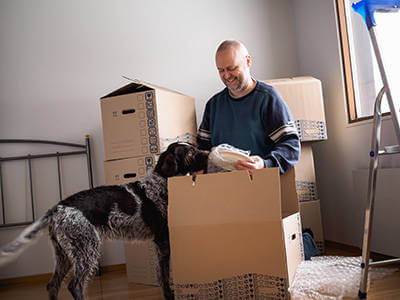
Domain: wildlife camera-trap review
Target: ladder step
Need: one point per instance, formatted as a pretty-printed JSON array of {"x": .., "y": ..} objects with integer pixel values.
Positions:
[
  {"x": 384, "y": 262},
  {"x": 390, "y": 150}
]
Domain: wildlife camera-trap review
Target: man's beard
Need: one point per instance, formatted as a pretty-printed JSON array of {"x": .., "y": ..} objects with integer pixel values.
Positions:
[{"x": 240, "y": 86}]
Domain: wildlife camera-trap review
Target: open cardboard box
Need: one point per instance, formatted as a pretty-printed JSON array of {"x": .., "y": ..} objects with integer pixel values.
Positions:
[{"x": 233, "y": 235}]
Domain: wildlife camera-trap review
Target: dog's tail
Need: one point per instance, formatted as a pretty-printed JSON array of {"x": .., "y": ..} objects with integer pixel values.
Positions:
[{"x": 30, "y": 234}]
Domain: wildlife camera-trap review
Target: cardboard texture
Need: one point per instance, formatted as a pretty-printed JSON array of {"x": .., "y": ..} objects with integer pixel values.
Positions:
[
  {"x": 305, "y": 174},
  {"x": 234, "y": 236},
  {"x": 142, "y": 119},
  {"x": 127, "y": 170},
  {"x": 303, "y": 95},
  {"x": 311, "y": 218},
  {"x": 140, "y": 257}
]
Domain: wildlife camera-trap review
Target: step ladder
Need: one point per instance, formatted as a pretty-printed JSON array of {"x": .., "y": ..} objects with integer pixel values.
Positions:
[{"x": 367, "y": 8}]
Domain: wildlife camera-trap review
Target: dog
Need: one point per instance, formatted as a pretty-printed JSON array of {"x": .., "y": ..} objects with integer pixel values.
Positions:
[{"x": 132, "y": 211}]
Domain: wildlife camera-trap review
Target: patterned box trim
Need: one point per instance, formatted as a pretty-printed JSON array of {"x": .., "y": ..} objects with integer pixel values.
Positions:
[
  {"x": 247, "y": 286},
  {"x": 151, "y": 123},
  {"x": 306, "y": 190},
  {"x": 149, "y": 161},
  {"x": 310, "y": 130},
  {"x": 298, "y": 217}
]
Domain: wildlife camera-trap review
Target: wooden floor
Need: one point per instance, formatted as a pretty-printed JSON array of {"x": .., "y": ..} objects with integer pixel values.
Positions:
[{"x": 113, "y": 284}]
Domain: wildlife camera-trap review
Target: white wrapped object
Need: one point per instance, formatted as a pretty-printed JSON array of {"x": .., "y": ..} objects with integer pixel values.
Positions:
[
  {"x": 224, "y": 156},
  {"x": 331, "y": 277}
]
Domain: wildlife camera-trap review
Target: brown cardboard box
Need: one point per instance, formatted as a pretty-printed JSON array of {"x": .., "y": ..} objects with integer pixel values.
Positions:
[
  {"x": 142, "y": 119},
  {"x": 127, "y": 170},
  {"x": 305, "y": 174},
  {"x": 311, "y": 218},
  {"x": 234, "y": 236},
  {"x": 303, "y": 95},
  {"x": 140, "y": 257}
]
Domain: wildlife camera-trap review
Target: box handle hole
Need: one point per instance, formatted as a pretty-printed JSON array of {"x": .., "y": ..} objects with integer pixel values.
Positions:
[
  {"x": 129, "y": 175},
  {"x": 293, "y": 236},
  {"x": 128, "y": 111},
  {"x": 250, "y": 175}
]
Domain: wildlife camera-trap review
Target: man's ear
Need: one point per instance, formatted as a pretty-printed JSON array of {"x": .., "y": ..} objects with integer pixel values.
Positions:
[
  {"x": 248, "y": 60},
  {"x": 169, "y": 166}
]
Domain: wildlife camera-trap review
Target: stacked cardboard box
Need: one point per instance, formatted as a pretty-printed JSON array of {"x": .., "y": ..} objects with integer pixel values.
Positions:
[
  {"x": 139, "y": 121},
  {"x": 303, "y": 95}
]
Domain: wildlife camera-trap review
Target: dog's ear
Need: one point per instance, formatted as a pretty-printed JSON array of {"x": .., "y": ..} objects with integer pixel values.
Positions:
[{"x": 168, "y": 166}]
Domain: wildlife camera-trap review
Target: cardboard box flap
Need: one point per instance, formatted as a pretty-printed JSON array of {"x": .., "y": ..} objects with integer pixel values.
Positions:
[
  {"x": 289, "y": 199},
  {"x": 160, "y": 88},
  {"x": 179, "y": 109},
  {"x": 292, "y": 80},
  {"x": 130, "y": 88},
  {"x": 190, "y": 201},
  {"x": 137, "y": 85},
  {"x": 293, "y": 243}
]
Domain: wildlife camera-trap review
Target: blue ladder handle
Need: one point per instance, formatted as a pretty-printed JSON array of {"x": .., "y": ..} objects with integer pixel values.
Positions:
[{"x": 367, "y": 8}]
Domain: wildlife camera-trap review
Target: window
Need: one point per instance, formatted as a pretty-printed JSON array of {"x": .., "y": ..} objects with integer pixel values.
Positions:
[{"x": 361, "y": 72}]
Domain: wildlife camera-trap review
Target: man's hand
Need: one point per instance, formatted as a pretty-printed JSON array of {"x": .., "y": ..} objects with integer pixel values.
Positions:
[{"x": 255, "y": 162}]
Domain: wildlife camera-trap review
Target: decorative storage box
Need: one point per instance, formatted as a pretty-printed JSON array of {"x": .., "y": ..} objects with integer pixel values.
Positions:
[{"x": 142, "y": 119}]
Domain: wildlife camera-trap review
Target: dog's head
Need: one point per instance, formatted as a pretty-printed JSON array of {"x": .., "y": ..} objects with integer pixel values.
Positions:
[{"x": 180, "y": 159}]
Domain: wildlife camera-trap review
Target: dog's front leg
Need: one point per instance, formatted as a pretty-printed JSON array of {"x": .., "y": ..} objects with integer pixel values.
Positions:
[{"x": 163, "y": 258}]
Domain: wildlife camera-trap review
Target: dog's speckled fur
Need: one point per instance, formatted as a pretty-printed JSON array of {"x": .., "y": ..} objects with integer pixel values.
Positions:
[{"x": 133, "y": 211}]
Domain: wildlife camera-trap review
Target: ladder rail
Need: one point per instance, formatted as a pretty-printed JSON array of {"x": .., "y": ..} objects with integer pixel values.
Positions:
[
  {"x": 369, "y": 212},
  {"x": 394, "y": 107}
]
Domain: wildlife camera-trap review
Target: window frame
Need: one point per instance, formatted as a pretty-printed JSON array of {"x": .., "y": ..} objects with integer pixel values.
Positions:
[{"x": 352, "y": 116}]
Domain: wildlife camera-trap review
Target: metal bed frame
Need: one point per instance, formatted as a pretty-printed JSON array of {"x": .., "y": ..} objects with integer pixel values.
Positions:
[{"x": 30, "y": 157}]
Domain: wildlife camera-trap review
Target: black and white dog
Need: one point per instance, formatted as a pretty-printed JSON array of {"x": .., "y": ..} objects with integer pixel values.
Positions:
[{"x": 133, "y": 211}]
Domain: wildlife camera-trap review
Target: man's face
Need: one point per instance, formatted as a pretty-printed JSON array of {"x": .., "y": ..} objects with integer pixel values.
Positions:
[{"x": 233, "y": 67}]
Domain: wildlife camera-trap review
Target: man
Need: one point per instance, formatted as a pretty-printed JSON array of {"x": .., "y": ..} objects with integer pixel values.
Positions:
[{"x": 248, "y": 115}]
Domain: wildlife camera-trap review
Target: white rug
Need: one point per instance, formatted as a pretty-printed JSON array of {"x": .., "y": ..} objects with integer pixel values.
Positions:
[{"x": 331, "y": 278}]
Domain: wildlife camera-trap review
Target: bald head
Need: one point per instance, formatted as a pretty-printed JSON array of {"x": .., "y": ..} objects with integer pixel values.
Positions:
[{"x": 234, "y": 44}]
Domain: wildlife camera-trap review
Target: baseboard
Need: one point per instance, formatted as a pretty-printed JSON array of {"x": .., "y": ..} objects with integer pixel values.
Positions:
[
  {"x": 113, "y": 268},
  {"x": 353, "y": 250},
  {"x": 47, "y": 276},
  {"x": 341, "y": 246}
]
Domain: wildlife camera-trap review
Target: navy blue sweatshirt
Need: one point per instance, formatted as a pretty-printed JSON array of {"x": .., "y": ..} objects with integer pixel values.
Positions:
[{"x": 259, "y": 121}]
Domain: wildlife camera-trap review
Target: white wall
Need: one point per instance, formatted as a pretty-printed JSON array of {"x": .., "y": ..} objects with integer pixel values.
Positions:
[
  {"x": 347, "y": 148},
  {"x": 58, "y": 58}
]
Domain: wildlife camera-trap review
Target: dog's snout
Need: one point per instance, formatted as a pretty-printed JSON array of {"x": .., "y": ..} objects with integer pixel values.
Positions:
[{"x": 200, "y": 161}]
